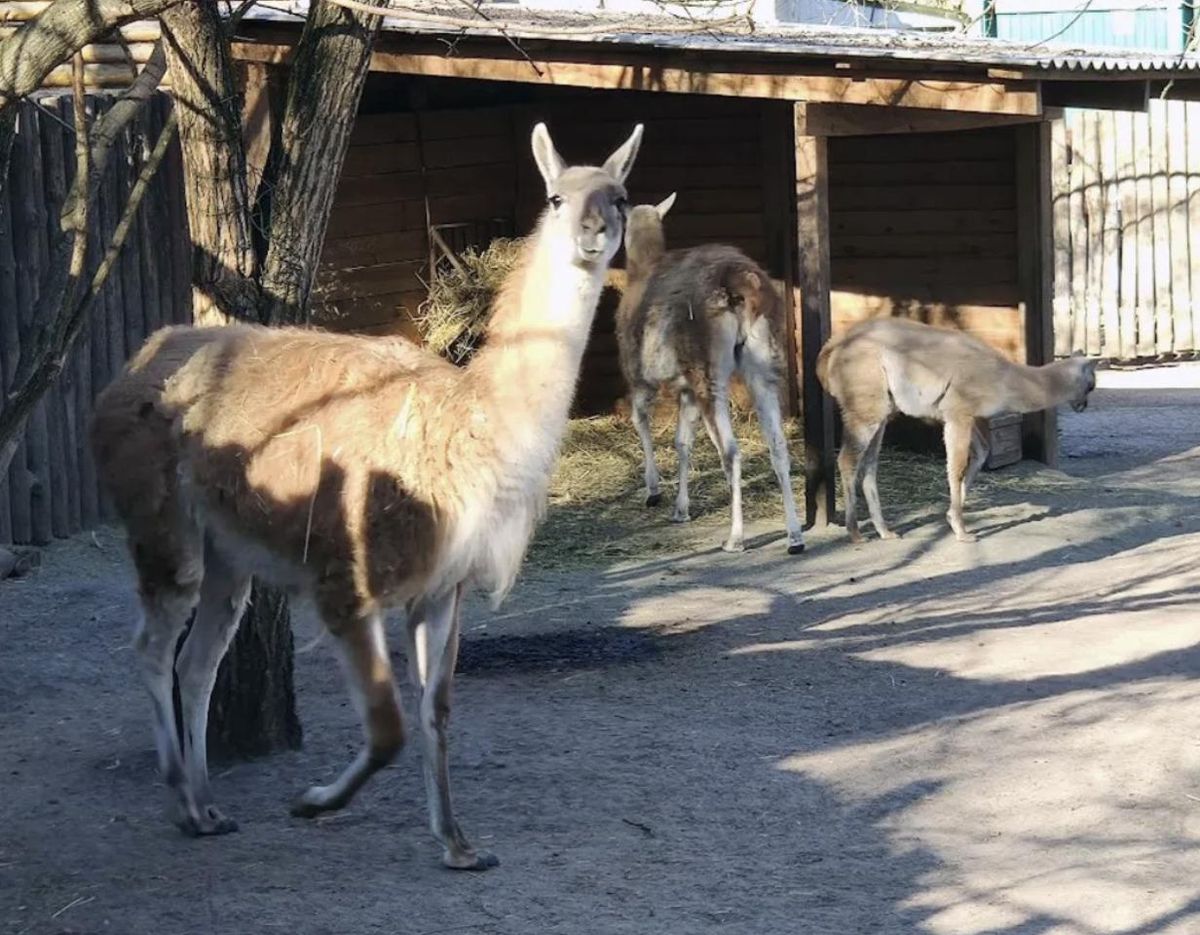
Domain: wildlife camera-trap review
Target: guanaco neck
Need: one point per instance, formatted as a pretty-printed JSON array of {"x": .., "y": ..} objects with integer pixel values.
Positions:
[
  {"x": 1034, "y": 388},
  {"x": 538, "y": 331},
  {"x": 640, "y": 259}
]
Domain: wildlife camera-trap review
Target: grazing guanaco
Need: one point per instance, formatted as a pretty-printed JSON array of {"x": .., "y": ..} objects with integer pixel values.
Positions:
[{"x": 888, "y": 365}]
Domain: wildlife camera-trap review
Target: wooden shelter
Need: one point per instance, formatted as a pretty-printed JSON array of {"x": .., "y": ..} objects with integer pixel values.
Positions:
[{"x": 872, "y": 173}]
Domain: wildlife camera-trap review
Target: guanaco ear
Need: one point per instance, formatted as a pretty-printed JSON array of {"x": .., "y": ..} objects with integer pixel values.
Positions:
[
  {"x": 619, "y": 164},
  {"x": 549, "y": 162},
  {"x": 665, "y": 205}
]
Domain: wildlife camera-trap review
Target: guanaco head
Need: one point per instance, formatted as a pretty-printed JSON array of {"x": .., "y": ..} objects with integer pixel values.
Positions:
[
  {"x": 644, "y": 238},
  {"x": 1083, "y": 381},
  {"x": 585, "y": 205}
]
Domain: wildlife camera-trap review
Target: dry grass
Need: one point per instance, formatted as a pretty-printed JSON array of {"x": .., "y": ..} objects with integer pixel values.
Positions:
[
  {"x": 454, "y": 318},
  {"x": 597, "y": 516}
]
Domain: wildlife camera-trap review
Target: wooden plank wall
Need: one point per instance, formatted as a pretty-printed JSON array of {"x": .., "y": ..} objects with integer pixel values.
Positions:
[
  {"x": 925, "y": 226},
  {"x": 1126, "y": 197},
  {"x": 402, "y": 171},
  {"x": 51, "y": 488},
  {"x": 474, "y": 164}
]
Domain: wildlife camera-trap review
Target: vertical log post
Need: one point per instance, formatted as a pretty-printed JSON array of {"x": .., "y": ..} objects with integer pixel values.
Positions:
[
  {"x": 813, "y": 281},
  {"x": 1035, "y": 262}
]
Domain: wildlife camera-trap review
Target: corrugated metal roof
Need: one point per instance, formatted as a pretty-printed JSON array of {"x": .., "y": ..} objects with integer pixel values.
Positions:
[{"x": 865, "y": 45}]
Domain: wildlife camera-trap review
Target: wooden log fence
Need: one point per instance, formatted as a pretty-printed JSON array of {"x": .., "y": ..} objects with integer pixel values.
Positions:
[
  {"x": 51, "y": 489},
  {"x": 1126, "y": 203}
]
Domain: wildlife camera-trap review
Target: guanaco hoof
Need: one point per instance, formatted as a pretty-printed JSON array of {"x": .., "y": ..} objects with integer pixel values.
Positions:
[
  {"x": 653, "y": 499},
  {"x": 472, "y": 860},
  {"x": 680, "y": 516},
  {"x": 795, "y": 548},
  {"x": 733, "y": 545},
  {"x": 208, "y": 823}
]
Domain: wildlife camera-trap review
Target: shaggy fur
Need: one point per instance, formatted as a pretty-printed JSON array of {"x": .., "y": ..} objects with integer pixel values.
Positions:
[
  {"x": 690, "y": 319},
  {"x": 366, "y": 472},
  {"x": 889, "y": 365}
]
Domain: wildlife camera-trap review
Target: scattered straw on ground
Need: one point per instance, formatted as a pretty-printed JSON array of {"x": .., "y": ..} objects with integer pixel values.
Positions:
[{"x": 597, "y": 513}]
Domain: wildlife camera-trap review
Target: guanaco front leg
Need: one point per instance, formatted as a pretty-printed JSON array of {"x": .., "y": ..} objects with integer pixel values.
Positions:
[
  {"x": 957, "y": 435},
  {"x": 362, "y": 650},
  {"x": 433, "y": 628}
]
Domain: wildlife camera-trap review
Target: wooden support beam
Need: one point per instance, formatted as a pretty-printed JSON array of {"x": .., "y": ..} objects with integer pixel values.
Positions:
[
  {"x": 861, "y": 120},
  {"x": 1097, "y": 95},
  {"x": 779, "y": 227},
  {"x": 1035, "y": 264},
  {"x": 813, "y": 283},
  {"x": 642, "y": 72}
]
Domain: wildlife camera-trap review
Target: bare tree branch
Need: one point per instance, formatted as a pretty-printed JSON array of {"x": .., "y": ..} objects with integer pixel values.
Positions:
[
  {"x": 113, "y": 123},
  {"x": 57, "y": 33}
]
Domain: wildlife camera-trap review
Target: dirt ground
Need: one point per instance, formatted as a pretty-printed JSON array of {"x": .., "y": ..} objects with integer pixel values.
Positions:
[{"x": 911, "y": 736}]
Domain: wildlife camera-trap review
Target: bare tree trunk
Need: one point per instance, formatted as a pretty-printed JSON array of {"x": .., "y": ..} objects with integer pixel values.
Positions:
[
  {"x": 208, "y": 101},
  {"x": 253, "y": 707},
  {"x": 326, "y": 83},
  {"x": 253, "y": 703}
]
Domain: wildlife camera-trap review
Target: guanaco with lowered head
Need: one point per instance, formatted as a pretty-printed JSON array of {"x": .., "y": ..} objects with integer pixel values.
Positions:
[
  {"x": 888, "y": 365},
  {"x": 365, "y": 472},
  {"x": 688, "y": 320}
]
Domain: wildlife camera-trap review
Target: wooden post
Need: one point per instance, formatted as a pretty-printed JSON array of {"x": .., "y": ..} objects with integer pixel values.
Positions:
[
  {"x": 1145, "y": 236},
  {"x": 32, "y": 251},
  {"x": 1079, "y": 239},
  {"x": 1035, "y": 262},
  {"x": 86, "y": 346},
  {"x": 1093, "y": 201},
  {"x": 813, "y": 281},
  {"x": 54, "y": 179},
  {"x": 1110, "y": 259},
  {"x": 1062, "y": 240},
  {"x": 1164, "y": 324},
  {"x": 1181, "y": 297},
  {"x": 779, "y": 223},
  {"x": 1192, "y": 158},
  {"x": 130, "y": 262},
  {"x": 1127, "y": 169},
  {"x": 10, "y": 350}
]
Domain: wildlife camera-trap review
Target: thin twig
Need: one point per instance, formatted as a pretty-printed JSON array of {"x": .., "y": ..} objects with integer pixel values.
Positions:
[
  {"x": 77, "y": 901},
  {"x": 51, "y": 114}
]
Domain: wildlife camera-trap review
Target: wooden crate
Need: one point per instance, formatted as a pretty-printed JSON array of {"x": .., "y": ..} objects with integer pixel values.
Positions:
[{"x": 1004, "y": 440}]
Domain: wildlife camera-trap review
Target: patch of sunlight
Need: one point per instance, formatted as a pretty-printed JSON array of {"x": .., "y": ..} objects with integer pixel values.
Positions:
[
  {"x": 1016, "y": 651},
  {"x": 688, "y": 609},
  {"x": 1053, "y": 807}
]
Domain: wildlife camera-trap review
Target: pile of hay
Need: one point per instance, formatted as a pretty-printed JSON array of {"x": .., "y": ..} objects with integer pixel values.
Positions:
[
  {"x": 596, "y": 514},
  {"x": 453, "y": 320}
]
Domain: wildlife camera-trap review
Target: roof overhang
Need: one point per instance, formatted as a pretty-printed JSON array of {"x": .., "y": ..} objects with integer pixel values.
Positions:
[{"x": 845, "y": 68}]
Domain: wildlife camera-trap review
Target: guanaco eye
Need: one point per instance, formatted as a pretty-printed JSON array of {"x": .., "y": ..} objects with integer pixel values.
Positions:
[
  {"x": 623, "y": 205},
  {"x": 555, "y": 201}
]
